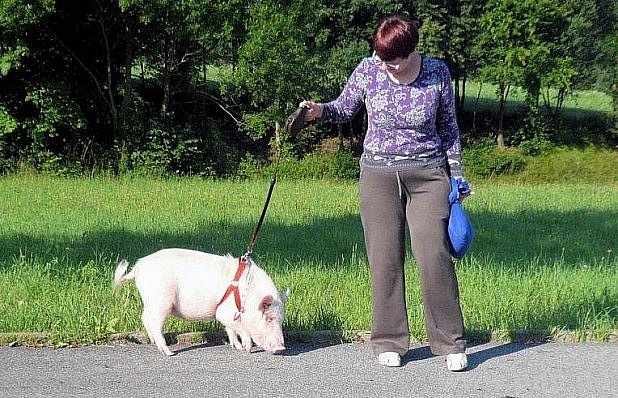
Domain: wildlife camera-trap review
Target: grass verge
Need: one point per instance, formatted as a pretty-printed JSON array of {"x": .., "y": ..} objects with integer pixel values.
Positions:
[{"x": 543, "y": 261}]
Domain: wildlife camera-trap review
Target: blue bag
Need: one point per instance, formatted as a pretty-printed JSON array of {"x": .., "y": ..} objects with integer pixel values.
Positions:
[{"x": 460, "y": 229}]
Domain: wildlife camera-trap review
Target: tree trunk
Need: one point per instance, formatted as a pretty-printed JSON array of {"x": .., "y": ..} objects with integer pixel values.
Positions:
[
  {"x": 128, "y": 85},
  {"x": 458, "y": 99},
  {"x": 463, "y": 94},
  {"x": 167, "y": 72},
  {"x": 475, "y": 108},
  {"x": 500, "y": 137},
  {"x": 504, "y": 94},
  {"x": 340, "y": 135}
]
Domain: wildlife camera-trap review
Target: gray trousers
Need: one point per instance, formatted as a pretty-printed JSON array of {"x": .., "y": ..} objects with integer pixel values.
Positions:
[{"x": 418, "y": 197}]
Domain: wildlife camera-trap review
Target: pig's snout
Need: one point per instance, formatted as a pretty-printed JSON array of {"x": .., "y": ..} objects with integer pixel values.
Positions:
[
  {"x": 278, "y": 351},
  {"x": 275, "y": 350},
  {"x": 274, "y": 345}
]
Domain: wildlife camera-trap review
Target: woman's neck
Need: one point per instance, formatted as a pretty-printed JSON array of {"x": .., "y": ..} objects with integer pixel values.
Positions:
[{"x": 410, "y": 72}]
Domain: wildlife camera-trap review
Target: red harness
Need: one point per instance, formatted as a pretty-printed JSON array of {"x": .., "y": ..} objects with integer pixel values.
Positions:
[{"x": 233, "y": 287}]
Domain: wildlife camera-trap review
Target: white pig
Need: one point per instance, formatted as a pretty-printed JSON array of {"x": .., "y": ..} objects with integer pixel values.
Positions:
[{"x": 190, "y": 284}]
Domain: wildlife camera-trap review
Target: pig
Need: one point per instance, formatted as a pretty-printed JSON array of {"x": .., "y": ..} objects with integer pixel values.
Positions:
[{"x": 191, "y": 285}]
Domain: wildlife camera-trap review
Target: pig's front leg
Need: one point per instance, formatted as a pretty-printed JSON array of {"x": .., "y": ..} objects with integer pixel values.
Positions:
[
  {"x": 246, "y": 340},
  {"x": 234, "y": 338},
  {"x": 240, "y": 340}
]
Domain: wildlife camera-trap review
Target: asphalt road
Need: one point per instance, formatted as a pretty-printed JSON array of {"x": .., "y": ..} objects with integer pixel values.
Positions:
[{"x": 343, "y": 370}]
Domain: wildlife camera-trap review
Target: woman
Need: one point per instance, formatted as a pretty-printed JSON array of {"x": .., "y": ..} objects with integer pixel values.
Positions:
[{"x": 411, "y": 149}]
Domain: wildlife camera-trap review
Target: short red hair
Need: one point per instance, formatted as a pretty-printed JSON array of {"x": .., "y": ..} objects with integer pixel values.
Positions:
[{"x": 395, "y": 37}]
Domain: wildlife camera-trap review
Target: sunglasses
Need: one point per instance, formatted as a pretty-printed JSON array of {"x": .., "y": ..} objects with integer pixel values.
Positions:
[{"x": 389, "y": 65}]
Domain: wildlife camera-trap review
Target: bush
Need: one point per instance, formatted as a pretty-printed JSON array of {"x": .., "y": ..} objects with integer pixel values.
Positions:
[
  {"x": 339, "y": 165},
  {"x": 591, "y": 165},
  {"x": 485, "y": 159},
  {"x": 536, "y": 146},
  {"x": 167, "y": 148}
]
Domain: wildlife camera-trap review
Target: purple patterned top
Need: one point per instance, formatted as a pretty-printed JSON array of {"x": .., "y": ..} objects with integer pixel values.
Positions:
[{"x": 409, "y": 125}]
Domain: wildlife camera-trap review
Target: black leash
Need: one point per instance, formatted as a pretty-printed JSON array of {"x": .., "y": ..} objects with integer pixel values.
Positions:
[
  {"x": 294, "y": 123},
  {"x": 259, "y": 224},
  {"x": 273, "y": 180}
]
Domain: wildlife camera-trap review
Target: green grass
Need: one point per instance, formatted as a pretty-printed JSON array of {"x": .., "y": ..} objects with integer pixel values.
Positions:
[
  {"x": 544, "y": 257},
  {"x": 582, "y": 100},
  {"x": 595, "y": 166}
]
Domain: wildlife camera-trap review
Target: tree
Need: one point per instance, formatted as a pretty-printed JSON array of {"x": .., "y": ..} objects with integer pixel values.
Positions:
[
  {"x": 188, "y": 85},
  {"x": 16, "y": 19},
  {"x": 180, "y": 37},
  {"x": 276, "y": 67},
  {"x": 343, "y": 37},
  {"x": 61, "y": 78},
  {"x": 446, "y": 31},
  {"x": 517, "y": 46}
]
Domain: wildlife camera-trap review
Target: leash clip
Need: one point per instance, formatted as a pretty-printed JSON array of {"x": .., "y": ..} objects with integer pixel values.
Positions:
[{"x": 238, "y": 314}]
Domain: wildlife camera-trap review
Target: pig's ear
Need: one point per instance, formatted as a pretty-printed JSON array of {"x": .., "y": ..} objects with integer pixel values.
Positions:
[{"x": 266, "y": 303}]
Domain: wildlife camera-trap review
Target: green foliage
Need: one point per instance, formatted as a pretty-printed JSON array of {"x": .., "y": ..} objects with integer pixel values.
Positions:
[
  {"x": 447, "y": 28},
  {"x": 11, "y": 59},
  {"x": 7, "y": 123},
  {"x": 591, "y": 40},
  {"x": 182, "y": 87},
  {"x": 271, "y": 59},
  {"x": 485, "y": 159},
  {"x": 538, "y": 144},
  {"x": 339, "y": 165},
  {"x": 15, "y": 14},
  {"x": 343, "y": 58},
  {"x": 534, "y": 135},
  {"x": 518, "y": 46},
  {"x": 259, "y": 123},
  {"x": 170, "y": 149},
  {"x": 56, "y": 113},
  {"x": 564, "y": 165},
  {"x": 345, "y": 31}
]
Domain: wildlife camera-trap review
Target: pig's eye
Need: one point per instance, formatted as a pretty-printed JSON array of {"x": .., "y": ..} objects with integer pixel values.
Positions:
[{"x": 269, "y": 318}]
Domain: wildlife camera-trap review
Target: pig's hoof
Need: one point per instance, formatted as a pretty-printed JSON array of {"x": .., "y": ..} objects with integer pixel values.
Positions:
[
  {"x": 236, "y": 346},
  {"x": 168, "y": 353}
]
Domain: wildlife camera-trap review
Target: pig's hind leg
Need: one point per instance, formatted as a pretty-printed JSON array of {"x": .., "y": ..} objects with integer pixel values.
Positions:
[{"x": 153, "y": 322}]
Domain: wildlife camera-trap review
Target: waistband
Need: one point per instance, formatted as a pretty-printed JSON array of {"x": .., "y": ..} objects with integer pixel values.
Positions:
[{"x": 388, "y": 163}]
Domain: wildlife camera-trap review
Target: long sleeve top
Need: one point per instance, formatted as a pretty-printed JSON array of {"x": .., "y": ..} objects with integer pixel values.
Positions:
[{"x": 409, "y": 125}]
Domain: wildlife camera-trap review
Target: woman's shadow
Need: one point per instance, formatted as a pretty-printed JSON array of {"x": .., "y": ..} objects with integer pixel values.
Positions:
[{"x": 475, "y": 357}]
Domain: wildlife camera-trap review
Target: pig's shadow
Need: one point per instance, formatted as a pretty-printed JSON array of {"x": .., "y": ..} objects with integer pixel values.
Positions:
[
  {"x": 294, "y": 349},
  {"x": 297, "y": 342},
  {"x": 303, "y": 348},
  {"x": 180, "y": 348}
]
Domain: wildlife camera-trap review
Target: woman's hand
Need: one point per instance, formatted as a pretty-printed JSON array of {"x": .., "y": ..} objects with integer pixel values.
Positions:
[
  {"x": 463, "y": 190},
  {"x": 314, "y": 110}
]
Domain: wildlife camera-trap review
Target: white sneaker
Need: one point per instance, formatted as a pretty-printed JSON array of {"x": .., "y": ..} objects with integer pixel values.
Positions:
[
  {"x": 456, "y": 362},
  {"x": 389, "y": 358}
]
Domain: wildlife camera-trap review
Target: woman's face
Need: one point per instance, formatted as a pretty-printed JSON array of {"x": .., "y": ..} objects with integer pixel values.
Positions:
[{"x": 395, "y": 66}]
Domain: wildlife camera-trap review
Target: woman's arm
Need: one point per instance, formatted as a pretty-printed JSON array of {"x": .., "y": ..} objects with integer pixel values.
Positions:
[
  {"x": 447, "y": 127},
  {"x": 346, "y": 105}
]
